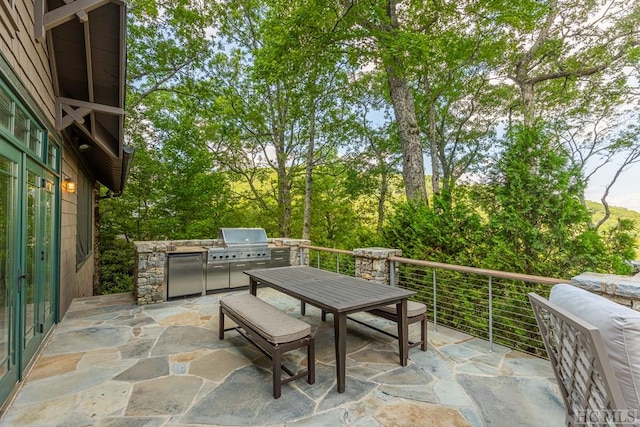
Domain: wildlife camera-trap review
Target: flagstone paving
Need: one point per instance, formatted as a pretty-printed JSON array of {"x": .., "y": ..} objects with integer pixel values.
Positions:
[{"x": 112, "y": 363}]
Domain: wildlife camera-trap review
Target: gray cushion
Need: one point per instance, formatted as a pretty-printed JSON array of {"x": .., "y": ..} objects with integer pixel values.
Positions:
[
  {"x": 274, "y": 325},
  {"x": 620, "y": 330},
  {"x": 413, "y": 308}
]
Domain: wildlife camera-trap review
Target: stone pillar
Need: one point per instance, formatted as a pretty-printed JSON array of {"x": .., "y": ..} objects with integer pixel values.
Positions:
[
  {"x": 149, "y": 281},
  {"x": 624, "y": 290},
  {"x": 294, "y": 246},
  {"x": 373, "y": 264},
  {"x": 636, "y": 267}
]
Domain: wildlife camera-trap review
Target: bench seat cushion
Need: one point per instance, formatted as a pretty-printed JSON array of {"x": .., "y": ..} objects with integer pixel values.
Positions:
[
  {"x": 274, "y": 325},
  {"x": 620, "y": 331},
  {"x": 413, "y": 308}
]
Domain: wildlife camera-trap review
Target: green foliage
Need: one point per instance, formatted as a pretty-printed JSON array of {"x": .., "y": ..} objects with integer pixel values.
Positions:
[
  {"x": 536, "y": 222},
  {"x": 116, "y": 265},
  {"x": 535, "y": 214},
  {"x": 228, "y": 103},
  {"x": 447, "y": 231},
  {"x": 528, "y": 219}
]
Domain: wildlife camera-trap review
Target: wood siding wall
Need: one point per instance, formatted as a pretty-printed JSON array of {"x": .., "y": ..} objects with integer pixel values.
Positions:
[
  {"x": 29, "y": 60},
  {"x": 74, "y": 281}
]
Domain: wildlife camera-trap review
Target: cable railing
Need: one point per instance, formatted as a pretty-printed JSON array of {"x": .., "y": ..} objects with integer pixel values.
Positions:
[
  {"x": 489, "y": 304},
  {"x": 339, "y": 260}
]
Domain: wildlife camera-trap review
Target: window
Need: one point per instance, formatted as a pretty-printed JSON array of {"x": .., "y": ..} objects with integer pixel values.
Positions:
[
  {"x": 20, "y": 126},
  {"x": 84, "y": 225},
  {"x": 52, "y": 154},
  {"x": 6, "y": 110}
]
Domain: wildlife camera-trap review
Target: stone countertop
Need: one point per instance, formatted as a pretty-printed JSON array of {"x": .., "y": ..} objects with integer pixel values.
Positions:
[{"x": 186, "y": 249}]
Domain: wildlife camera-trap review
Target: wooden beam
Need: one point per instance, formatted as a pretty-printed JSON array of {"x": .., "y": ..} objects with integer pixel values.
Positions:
[
  {"x": 38, "y": 17},
  {"x": 82, "y": 15},
  {"x": 76, "y": 115},
  {"x": 68, "y": 11},
  {"x": 83, "y": 108},
  {"x": 92, "y": 105}
]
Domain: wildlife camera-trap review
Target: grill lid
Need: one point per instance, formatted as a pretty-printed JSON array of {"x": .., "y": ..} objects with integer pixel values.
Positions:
[{"x": 242, "y": 236}]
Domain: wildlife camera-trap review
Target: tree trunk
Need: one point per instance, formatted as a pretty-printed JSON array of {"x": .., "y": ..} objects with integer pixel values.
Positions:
[
  {"x": 306, "y": 227},
  {"x": 405, "y": 112},
  {"x": 433, "y": 142},
  {"x": 528, "y": 103},
  {"x": 384, "y": 185},
  {"x": 284, "y": 200},
  {"x": 409, "y": 131}
]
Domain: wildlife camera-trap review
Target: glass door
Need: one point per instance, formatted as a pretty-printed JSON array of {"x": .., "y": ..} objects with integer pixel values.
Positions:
[
  {"x": 28, "y": 215},
  {"x": 9, "y": 260},
  {"x": 37, "y": 286}
]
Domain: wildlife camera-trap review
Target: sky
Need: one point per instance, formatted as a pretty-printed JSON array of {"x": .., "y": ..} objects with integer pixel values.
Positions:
[{"x": 626, "y": 191}]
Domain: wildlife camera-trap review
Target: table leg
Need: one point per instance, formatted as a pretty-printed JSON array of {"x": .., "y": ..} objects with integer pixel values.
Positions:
[
  {"x": 253, "y": 286},
  {"x": 340, "y": 332},
  {"x": 403, "y": 332}
]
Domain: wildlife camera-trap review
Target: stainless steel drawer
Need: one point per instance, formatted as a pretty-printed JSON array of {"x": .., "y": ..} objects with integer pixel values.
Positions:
[
  {"x": 185, "y": 275},
  {"x": 236, "y": 276},
  {"x": 217, "y": 276},
  {"x": 280, "y": 257}
]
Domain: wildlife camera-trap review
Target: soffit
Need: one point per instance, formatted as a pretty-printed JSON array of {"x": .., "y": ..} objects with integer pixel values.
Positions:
[{"x": 86, "y": 41}]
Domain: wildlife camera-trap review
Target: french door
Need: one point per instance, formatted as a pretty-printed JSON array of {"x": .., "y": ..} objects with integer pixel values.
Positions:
[
  {"x": 36, "y": 286},
  {"x": 10, "y": 160},
  {"x": 28, "y": 216}
]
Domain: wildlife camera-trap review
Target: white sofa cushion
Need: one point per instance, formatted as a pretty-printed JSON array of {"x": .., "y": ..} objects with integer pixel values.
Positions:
[{"x": 620, "y": 331}]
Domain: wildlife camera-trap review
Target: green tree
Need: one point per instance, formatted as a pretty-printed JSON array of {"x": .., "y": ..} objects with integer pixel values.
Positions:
[{"x": 536, "y": 223}]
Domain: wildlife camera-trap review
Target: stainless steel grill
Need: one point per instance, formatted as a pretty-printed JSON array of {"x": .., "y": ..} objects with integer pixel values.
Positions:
[{"x": 240, "y": 244}]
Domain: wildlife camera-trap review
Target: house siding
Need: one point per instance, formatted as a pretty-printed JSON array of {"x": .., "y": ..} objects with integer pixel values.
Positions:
[
  {"x": 29, "y": 59},
  {"x": 75, "y": 280}
]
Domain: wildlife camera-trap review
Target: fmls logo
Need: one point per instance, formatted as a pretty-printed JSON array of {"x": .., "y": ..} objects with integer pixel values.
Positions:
[{"x": 606, "y": 416}]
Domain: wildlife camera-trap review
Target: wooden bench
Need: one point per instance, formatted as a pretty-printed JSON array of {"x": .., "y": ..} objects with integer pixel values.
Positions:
[
  {"x": 416, "y": 312},
  {"x": 271, "y": 331}
]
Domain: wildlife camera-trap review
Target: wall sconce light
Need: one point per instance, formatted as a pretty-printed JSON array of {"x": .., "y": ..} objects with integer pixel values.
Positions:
[{"x": 69, "y": 185}]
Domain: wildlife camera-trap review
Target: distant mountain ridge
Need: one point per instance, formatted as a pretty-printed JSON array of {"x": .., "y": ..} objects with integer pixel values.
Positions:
[
  {"x": 597, "y": 212},
  {"x": 616, "y": 212}
]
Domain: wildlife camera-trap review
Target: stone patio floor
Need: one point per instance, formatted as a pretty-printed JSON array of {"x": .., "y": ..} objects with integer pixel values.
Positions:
[{"x": 112, "y": 363}]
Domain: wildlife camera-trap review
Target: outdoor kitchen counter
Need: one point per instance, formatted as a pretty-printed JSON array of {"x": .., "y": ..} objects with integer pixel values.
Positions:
[{"x": 186, "y": 249}]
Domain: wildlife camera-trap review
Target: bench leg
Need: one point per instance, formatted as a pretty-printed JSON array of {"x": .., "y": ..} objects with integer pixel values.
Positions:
[
  {"x": 423, "y": 333},
  {"x": 324, "y": 316},
  {"x": 221, "y": 325},
  {"x": 303, "y": 308},
  {"x": 276, "y": 369},
  {"x": 311, "y": 361}
]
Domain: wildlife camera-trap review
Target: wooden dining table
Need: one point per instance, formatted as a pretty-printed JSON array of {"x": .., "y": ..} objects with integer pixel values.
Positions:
[{"x": 339, "y": 295}]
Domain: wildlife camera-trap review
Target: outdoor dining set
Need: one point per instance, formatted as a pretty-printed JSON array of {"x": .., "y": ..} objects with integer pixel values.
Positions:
[{"x": 275, "y": 332}]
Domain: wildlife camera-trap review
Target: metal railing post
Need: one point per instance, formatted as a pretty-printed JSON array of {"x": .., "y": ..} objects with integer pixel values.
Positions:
[
  {"x": 435, "y": 303},
  {"x": 337, "y": 263},
  {"x": 318, "y": 260},
  {"x": 490, "y": 315}
]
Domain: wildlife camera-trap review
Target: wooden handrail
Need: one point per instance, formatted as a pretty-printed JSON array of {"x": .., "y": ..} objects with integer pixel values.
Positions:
[
  {"x": 453, "y": 267},
  {"x": 482, "y": 271},
  {"x": 320, "y": 248}
]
